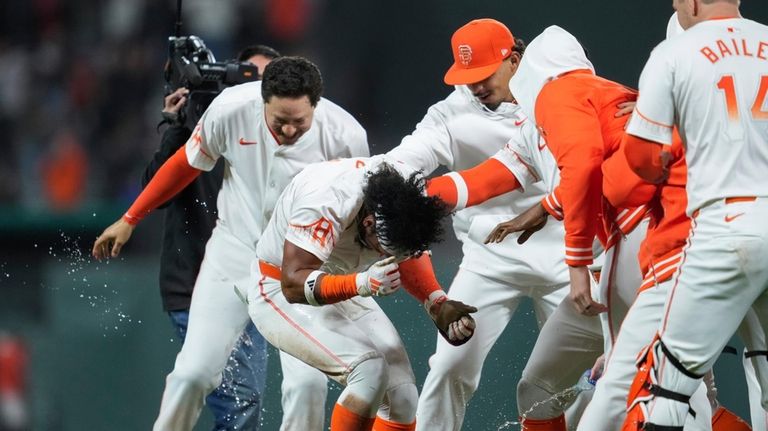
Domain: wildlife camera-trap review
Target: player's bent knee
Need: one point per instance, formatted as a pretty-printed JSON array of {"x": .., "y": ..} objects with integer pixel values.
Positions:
[
  {"x": 366, "y": 384},
  {"x": 401, "y": 402},
  {"x": 195, "y": 381},
  {"x": 536, "y": 400}
]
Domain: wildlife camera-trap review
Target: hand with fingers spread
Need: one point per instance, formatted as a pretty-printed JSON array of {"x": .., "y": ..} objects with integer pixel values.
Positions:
[
  {"x": 529, "y": 222},
  {"x": 452, "y": 319},
  {"x": 381, "y": 279},
  {"x": 111, "y": 241},
  {"x": 581, "y": 292}
]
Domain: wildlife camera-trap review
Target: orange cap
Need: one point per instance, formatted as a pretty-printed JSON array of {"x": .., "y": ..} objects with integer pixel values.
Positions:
[{"x": 478, "y": 48}]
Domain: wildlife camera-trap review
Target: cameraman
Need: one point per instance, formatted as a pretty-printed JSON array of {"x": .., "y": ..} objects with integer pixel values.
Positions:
[{"x": 188, "y": 221}]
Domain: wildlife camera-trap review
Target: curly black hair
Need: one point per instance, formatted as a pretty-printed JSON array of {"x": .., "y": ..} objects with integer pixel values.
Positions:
[
  {"x": 292, "y": 77},
  {"x": 407, "y": 221}
]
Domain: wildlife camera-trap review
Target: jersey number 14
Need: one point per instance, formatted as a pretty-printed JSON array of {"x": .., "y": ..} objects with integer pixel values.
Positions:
[{"x": 728, "y": 86}]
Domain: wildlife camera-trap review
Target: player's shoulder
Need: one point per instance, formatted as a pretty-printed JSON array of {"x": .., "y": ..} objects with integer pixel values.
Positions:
[{"x": 236, "y": 98}]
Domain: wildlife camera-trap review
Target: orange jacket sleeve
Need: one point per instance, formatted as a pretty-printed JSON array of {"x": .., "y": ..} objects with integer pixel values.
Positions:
[
  {"x": 473, "y": 186},
  {"x": 551, "y": 204},
  {"x": 573, "y": 133},
  {"x": 170, "y": 179}
]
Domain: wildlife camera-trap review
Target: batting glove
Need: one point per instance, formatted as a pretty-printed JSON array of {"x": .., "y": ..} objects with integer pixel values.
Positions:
[
  {"x": 451, "y": 318},
  {"x": 381, "y": 279}
]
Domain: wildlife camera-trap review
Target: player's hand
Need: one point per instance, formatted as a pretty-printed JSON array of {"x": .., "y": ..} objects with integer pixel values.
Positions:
[
  {"x": 597, "y": 369},
  {"x": 111, "y": 241},
  {"x": 581, "y": 292},
  {"x": 175, "y": 101},
  {"x": 381, "y": 279},
  {"x": 452, "y": 319},
  {"x": 625, "y": 108},
  {"x": 529, "y": 222}
]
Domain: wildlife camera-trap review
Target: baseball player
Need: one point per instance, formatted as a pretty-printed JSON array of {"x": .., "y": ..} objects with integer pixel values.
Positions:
[
  {"x": 710, "y": 82},
  {"x": 188, "y": 220},
  {"x": 471, "y": 124},
  {"x": 266, "y": 132},
  {"x": 659, "y": 257},
  {"x": 577, "y": 115},
  {"x": 312, "y": 298}
]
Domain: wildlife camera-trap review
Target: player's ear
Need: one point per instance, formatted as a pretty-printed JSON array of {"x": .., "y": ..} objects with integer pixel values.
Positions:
[{"x": 369, "y": 222}]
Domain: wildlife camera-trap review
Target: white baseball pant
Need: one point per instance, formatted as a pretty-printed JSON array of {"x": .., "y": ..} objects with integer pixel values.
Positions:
[
  {"x": 217, "y": 317},
  {"x": 609, "y": 401},
  {"x": 340, "y": 340},
  {"x": 570, "y": 342},
  {"x": 455, "y": 371},
  {"x": 723, "y": 274},
  {"x": 755, "y": 368}
]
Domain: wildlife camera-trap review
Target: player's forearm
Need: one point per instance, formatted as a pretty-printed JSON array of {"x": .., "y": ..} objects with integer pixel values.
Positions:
[
  {"x": 621, "y": 186},
  {"x": 581, "y": 195},
  {"x": 418, "y": 277},
  {"x": 171, "y": 178},
  {"x": 646, "y": 158},
  {"x": 473, "y": 186}
]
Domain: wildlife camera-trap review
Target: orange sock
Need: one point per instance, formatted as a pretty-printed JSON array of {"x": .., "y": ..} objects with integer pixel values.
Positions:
[
  {"x": 385, "y": 425},
  {"x": 556, "y": 424},
  {"x": 344, "y": 420},
  {"x": 726, "y": 420}
]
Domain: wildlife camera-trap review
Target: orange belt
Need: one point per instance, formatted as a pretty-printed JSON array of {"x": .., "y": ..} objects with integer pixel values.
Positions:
[
  {"x": 269, "y": 270},
  {"x": 733, "y": 200}
]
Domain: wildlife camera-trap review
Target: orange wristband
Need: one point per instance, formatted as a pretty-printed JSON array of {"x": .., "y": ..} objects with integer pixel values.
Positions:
[{"x": 335, "y": 288}]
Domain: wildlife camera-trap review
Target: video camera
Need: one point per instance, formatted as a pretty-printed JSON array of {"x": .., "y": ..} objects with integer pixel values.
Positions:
[{"x": 192, "y": 65}]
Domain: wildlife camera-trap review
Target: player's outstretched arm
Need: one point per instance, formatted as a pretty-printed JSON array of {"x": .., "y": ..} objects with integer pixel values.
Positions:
[
  {"x": 473, "y": 186},
  {"x": 170, "y": 179}
]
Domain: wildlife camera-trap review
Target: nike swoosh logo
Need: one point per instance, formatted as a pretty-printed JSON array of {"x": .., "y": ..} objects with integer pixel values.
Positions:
[
  {"x": 244, "y": 142},
  {"x": 729, "y": 218},
  {"x": 519, "y": 123},
  {"x": 542, "y": 146}
]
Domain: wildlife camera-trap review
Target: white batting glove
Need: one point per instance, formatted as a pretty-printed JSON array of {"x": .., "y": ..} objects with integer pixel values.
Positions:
[{"x": 381, "y": 279}]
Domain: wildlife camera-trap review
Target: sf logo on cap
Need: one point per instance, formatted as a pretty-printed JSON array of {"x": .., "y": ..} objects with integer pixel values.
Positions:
[{"x": 465, "y": 54}]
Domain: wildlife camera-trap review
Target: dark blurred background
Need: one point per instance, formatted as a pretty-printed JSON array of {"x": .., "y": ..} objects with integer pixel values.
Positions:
[{"x": 86, "y": 343}]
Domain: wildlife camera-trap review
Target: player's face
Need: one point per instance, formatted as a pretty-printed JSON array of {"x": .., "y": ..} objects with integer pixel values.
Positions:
[
  {"x": 261, "y": 62},
  {"x": 289, "y": 118},
  {"x": 495, "y": 89}
]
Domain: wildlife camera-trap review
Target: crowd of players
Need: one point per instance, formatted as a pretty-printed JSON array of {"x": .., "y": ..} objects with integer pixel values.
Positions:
[{"x": 638, "y": 214}]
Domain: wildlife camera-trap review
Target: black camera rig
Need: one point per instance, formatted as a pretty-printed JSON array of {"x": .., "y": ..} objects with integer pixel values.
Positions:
[{"x": 192, "y": 65}]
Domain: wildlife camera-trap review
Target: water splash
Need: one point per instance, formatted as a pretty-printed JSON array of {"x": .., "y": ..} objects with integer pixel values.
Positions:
[
  {"x": 561, "y": 401},
  {"x": 102, "y": 299}
]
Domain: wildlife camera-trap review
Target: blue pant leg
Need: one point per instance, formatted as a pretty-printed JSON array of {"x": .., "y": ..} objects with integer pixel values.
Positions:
[{"x": 236, "y": 403}]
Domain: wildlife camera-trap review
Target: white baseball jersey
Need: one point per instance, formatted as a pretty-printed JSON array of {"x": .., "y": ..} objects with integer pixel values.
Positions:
[
  {"x": 258, "y": 169},
  {"x": 712, "y": 82},
  {"x": 317, "y": 212},
  {"x": 459, "y": 132},
  {"x": 530, "y": 161}
]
